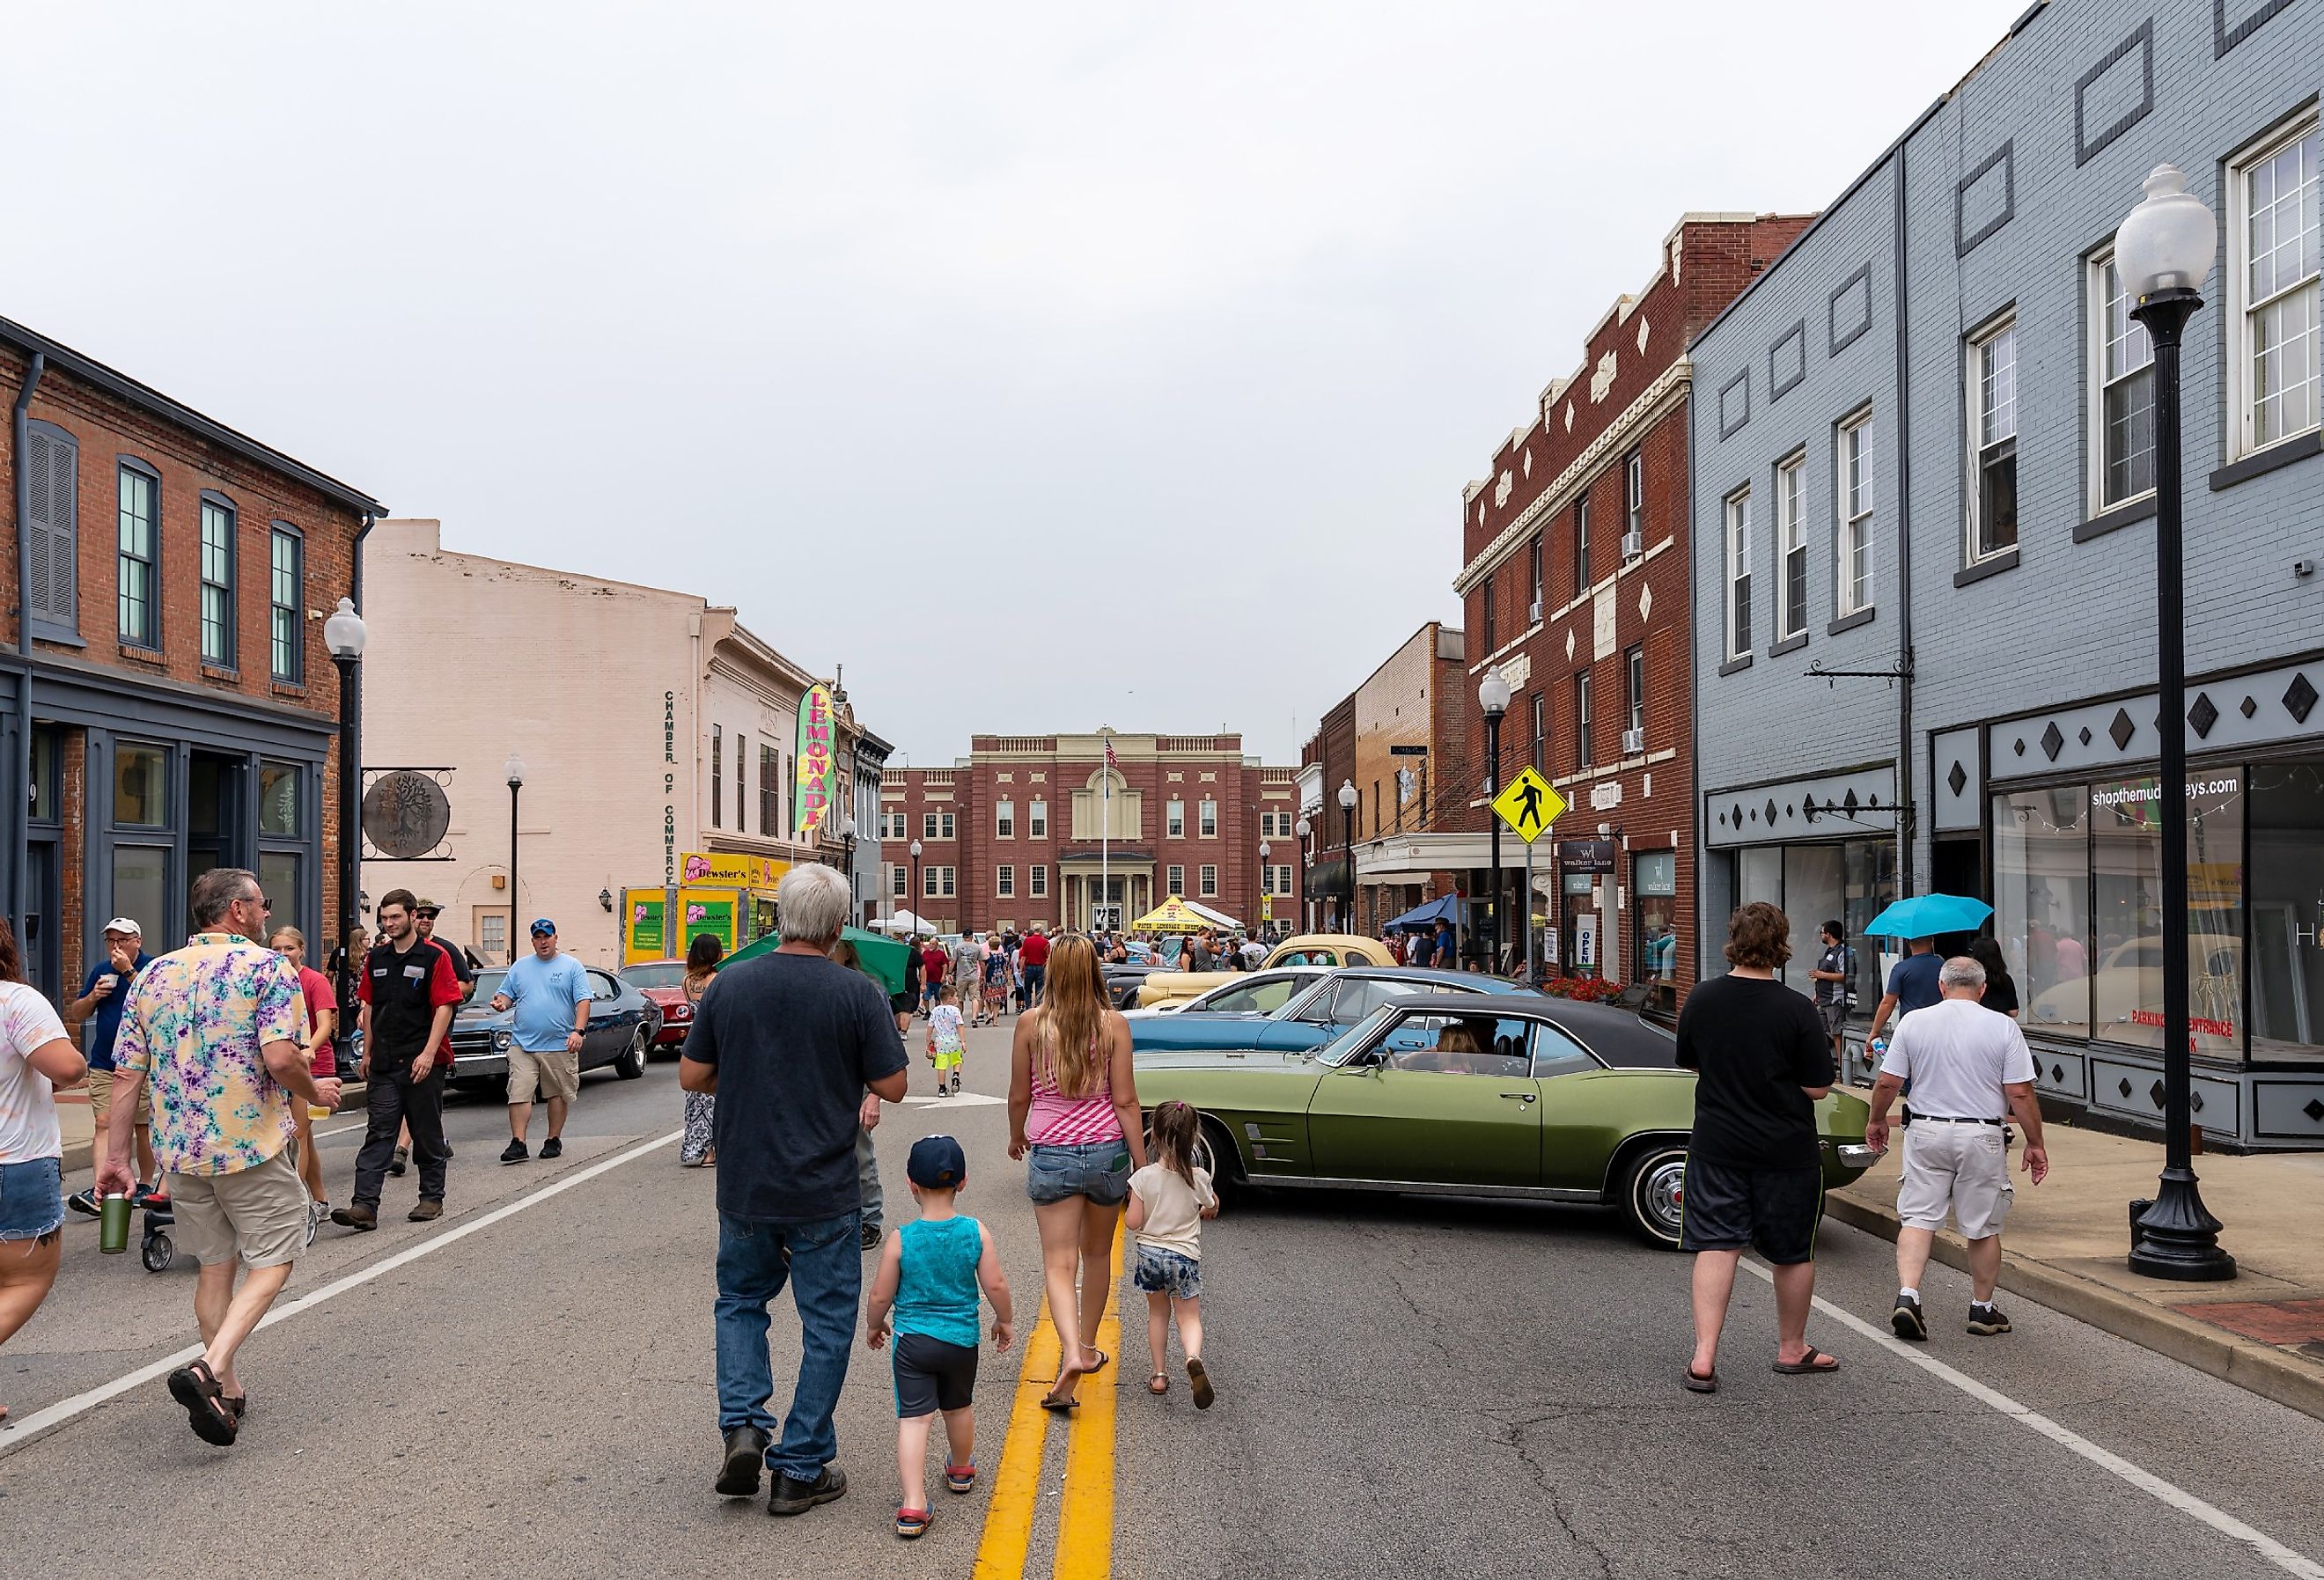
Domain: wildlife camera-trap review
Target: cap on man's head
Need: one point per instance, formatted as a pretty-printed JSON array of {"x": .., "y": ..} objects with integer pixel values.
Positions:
[
  {"x": 543, "y": 927},
  {"x": 937, "y": 1163},
  {"x": 426, "y": 908},
  {"x": 126, "y": 924}
]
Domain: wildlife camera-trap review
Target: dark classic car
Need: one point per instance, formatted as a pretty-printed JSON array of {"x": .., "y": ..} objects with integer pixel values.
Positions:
[
  {"x": 622, "y": 1024},
  {"x": 663, "y": 982},
  {"x": 1464, "y": 1094},
  {"x": 1312, "y": 1017}
]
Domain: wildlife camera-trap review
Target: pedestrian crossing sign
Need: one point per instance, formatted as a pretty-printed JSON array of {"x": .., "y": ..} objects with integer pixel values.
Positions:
[{"x": 1528, "y": 804}]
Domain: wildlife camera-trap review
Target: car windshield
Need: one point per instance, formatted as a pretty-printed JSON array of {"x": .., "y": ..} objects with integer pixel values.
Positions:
[
  {"x": 1338, "y": 1051},
  {"x": 488, "y": 983},
  {"x": 669, "y": 974}
]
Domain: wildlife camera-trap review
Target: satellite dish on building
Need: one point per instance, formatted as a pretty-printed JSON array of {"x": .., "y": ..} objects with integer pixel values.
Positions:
[{"x": 406, "y": 814}]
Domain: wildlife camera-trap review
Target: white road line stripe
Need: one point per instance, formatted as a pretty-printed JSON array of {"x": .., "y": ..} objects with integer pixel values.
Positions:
[
  {"x": 42, "y": 1421},
  {"x": 2147, "y": 1481}
]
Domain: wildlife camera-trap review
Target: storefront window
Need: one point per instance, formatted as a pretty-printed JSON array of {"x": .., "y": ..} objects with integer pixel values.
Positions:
[
  {"x": 277, "y": 801},
  {"x": 1812, "y": 897},
  {"x": 2126, "y": 917},
  {"x": 141, "y": 878},
  {"x": 1654, "y": 911},
  {"x": 1811, "y": 884},
  {"x": 2287, "y": 910},
  {"x": 140, "y": 786},
  {"x": 278, "y": 876},
  {"x": 2040, "y": 902},
  {"x": 45, "y": 776}
]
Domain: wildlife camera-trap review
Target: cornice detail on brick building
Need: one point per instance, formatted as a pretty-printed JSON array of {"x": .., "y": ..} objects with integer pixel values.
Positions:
[{"x": 1670, "y": 384}]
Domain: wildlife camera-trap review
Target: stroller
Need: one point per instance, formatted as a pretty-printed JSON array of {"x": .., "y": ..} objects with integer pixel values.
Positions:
[{"x": 155, "y": 1246}]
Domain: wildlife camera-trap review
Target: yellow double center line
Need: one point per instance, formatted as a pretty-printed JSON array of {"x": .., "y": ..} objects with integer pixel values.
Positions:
[{"x": 1085, "y": 1549}]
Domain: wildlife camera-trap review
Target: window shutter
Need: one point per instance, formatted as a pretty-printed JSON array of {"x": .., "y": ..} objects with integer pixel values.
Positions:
[{"x": 55, "y": 537}]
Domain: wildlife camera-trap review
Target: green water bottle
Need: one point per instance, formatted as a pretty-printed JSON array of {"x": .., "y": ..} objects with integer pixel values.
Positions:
[{"x": 113, "y": 1232}]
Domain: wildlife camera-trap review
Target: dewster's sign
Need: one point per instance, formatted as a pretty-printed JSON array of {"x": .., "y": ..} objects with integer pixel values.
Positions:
[{"x": 815, "y": 764}]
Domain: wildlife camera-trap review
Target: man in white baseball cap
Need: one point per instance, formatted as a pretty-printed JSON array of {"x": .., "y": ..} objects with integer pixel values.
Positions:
[{"x": 102, "y": 996}]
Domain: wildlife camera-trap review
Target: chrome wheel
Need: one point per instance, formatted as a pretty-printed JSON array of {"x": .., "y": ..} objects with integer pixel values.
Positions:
[{"x": 1655, "y": 1195}]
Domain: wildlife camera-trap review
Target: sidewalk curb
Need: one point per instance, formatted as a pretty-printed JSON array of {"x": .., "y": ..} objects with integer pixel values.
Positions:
[
  {"x": 83, "y": 1154},
  {"x": 2261, "y": 1368}
]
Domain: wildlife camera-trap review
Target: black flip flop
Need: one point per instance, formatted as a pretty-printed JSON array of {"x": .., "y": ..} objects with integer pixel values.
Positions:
[
  {"x": 1700, "y": 1384},
  {"x": 1060, "y": 1406},
  {"x": 1806, "y": 1366},
  {"x": 196, "y": 1387}
]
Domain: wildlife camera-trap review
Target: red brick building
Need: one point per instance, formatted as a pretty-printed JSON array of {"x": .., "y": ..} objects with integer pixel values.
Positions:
[
  {"x": 1011, "y": 835},
  {"x": 171, "y": 706},
  {"x": 1574, "y": 584}
]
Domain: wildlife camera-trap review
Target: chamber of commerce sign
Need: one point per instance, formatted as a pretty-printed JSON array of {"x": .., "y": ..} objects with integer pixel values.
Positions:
[{"x": 817, "y": 764}]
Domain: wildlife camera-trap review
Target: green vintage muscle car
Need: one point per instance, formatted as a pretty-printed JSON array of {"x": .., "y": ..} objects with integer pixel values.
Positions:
[{"x": 1465, "y": 1094}]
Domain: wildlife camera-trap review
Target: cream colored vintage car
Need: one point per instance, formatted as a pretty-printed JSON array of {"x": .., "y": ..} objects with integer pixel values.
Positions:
[{"x": 1305, "y": 950}]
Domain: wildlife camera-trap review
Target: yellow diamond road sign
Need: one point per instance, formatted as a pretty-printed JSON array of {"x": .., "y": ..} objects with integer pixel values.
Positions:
[{"x": 1528, "y": 804}]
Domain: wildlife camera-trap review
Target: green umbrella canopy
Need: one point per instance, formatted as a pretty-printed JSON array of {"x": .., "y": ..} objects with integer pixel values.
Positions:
[{"x": 883, "y": 958}]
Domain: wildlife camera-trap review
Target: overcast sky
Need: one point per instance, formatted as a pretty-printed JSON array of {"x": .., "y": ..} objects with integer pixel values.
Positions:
[{"x": 1047, "y": 365}]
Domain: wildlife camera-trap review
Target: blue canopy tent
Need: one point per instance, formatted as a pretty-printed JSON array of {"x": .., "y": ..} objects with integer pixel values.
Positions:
[{"x": 1422, "y": 919}]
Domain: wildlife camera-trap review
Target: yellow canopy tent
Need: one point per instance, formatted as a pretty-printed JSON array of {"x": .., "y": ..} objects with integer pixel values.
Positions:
[{"x": 1173, "y": 915}]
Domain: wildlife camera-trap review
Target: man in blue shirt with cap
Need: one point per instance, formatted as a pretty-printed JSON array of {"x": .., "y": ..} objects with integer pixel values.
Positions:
[{"x": 549, "y": 992}]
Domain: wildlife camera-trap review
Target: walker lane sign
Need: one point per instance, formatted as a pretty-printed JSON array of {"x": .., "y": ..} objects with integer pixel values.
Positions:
[{"x": 1528, "y": 804}]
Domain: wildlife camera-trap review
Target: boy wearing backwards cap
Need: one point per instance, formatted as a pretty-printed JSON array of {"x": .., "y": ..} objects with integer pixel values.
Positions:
[{"x": 930, "y": 1270}]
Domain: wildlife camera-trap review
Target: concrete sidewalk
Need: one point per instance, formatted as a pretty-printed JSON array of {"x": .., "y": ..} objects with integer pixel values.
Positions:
[{"x": 2067, "y": 1242}]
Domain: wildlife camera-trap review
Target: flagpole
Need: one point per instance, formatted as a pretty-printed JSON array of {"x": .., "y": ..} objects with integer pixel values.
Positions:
[{"x": 1105, "y": 829}]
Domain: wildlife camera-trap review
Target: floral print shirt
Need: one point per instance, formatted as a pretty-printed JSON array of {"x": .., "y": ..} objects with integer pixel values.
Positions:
[{"x": 194, "y": 1028}]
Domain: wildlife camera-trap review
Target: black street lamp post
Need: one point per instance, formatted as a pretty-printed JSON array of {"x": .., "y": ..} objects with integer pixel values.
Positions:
[
  {"x": 344, "y": 635},
  {"x": 1348, "y": 831},
  {"x": 915, "y": 881},
  {"x": 1493, "y": 696},
  {"x": 847, "y": 837},
  {"x": 515, "y": 768},
  {"x": 2163, "y": 251}
]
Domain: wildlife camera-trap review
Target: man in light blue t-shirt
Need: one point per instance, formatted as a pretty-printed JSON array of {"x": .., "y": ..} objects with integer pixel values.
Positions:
[{"x": 549, "y": 992}]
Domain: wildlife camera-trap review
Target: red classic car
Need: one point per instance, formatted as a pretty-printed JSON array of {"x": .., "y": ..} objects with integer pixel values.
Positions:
[{"x": 664, "y": 982}]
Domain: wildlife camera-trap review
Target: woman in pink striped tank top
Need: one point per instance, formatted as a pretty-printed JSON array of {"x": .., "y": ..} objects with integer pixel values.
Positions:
[{"x": 1073, "y": 1106}]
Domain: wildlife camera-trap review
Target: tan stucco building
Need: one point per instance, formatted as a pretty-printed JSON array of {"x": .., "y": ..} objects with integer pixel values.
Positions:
[{"x": 652, "y": 723}]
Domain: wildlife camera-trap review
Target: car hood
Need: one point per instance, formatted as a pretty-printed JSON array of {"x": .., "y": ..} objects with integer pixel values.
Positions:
[
  {"x": 481, "y": 1015},
  {"x": 664, "y": 996},
  {"x": 1217, "y": 1058}
]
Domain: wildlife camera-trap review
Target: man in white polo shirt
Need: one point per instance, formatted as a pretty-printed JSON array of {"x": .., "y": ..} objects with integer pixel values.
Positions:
[{"x": 1969, "y": 1068}]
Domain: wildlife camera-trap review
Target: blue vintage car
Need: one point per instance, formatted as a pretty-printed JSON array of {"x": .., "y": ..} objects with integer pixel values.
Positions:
[{"x": 1310, "y": 1018}]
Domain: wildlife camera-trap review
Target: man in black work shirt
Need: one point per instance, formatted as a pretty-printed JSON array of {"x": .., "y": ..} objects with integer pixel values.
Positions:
[
  {"x": 1754, "y": 1169},
  {"x": 408, "y": 994}
]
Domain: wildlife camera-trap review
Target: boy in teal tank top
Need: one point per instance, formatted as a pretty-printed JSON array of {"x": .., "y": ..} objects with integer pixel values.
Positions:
[{"x": 931, "y": 1271}]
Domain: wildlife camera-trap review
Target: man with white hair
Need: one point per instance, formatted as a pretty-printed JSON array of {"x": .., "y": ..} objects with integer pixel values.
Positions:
[
  {"x": 790, "y": 1042},
  {"x": 1969, "y": 1068}
]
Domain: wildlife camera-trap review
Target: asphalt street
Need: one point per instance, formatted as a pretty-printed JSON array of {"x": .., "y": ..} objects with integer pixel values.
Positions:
[{"x": 1407, "y": 1387}]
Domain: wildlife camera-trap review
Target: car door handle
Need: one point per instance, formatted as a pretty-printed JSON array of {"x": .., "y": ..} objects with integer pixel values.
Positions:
[{"x": 1518, "y": 1096}]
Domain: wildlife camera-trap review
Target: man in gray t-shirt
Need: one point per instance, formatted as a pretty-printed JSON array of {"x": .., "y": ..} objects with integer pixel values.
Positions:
[{"x": 1969, "y": 1068}]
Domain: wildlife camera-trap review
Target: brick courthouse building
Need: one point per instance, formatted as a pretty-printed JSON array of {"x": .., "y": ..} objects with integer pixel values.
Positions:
[
  {"x": 1010, "y": 836},
  {"x": 169, "y": 707},
  {"x": 1574, "y": 584}
]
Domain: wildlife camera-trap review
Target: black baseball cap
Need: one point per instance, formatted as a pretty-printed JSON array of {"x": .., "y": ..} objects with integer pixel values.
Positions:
[{"x": 937, "y": 1163}]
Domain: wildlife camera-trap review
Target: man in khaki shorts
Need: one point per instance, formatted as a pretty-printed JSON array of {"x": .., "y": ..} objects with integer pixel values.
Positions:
[
  {"x": 1969, "y": 1068},
  {"x": 215, "y": 1029},
  {"x": 549, "y": 992}
]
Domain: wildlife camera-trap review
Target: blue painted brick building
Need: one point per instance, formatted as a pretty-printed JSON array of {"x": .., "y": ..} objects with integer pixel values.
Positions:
[{"x": 1923, "y": 567}]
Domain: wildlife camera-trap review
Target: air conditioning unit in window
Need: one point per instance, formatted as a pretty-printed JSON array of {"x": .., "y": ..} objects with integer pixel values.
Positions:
[
  {"x": 1532, "y": 613},
  {"x": 1634, "y": 740},
  {"x": 1633, "y": 545}
]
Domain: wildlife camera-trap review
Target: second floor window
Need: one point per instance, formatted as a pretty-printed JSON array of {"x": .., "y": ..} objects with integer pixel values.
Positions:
[
  {"x": 1582, "y": 719},
  {"x": 1533, "y": 613},
  {"x": 1791, "y": 549},
  {"x": 1004, "y": 820},
  {"x": 1634, "y": 499},
  {"x": 1206, "y": 813},
  {"x": 1540, "y": 733},
  {"x": 717, "y": 771},
  {"x": 1739, "y": 574},
  {"x": 1174, "y": 820},
  {"x": 286, "y": 576},
  {"x": 2122, "y": 442},
  {"x": 770, "y": 791},
  {"x": 218, "y": 584},
  {"x": 1492, "y": 639},
  {"x": 2272, "y": 259},
  {"x": 1037, "y": 821},
  {"x": 1854, "y": 476},
  {"x": 139, "y": 558},
  {"x": 1580, "y": 545},
  {"x": 1993, "y": 441},
  {"x": 1634, "y": 663}
]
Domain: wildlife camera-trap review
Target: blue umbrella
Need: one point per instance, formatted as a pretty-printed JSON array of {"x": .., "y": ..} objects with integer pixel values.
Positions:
[{"x": 1924, "y": 916}]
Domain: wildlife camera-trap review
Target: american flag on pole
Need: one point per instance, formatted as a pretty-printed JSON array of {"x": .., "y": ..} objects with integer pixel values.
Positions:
[{"x": 1111, "y": 761}]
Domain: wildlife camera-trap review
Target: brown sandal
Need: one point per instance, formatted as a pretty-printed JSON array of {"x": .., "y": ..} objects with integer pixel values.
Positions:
[{"x": 1158, "y": 1384}]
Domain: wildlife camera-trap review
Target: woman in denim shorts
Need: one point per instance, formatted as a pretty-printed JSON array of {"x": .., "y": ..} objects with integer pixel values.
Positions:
[
  {"x": 36, "y": 1057},
  {"x": 1073, "y": 1106}
]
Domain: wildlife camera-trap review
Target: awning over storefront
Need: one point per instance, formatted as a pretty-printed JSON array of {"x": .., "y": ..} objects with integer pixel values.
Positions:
[
  {"x": 1326, "y": 880},
  {"x": 1410, "y": 858},
  {"x": 1446, "y": 907}
]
